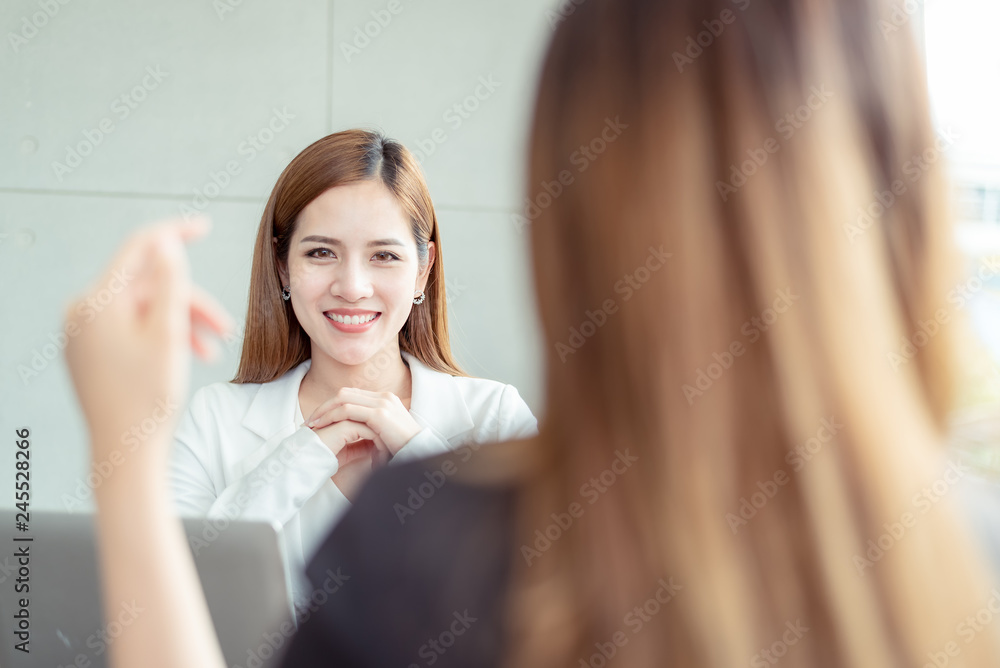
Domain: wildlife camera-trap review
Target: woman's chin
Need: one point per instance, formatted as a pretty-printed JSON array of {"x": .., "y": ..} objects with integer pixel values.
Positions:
[{"x": 351, "y": 357}]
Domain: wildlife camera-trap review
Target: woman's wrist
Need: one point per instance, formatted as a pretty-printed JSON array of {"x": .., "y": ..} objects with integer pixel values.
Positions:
[{"x": 138, "y": 475}]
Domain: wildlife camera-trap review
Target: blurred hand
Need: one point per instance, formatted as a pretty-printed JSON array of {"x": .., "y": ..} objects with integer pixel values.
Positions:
[{"x": 129, "y": 343}]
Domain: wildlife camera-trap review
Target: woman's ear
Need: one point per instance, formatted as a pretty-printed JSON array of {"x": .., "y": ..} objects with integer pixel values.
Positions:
[
  {"x": 282, "y": 267},
  {"x": 426, "y": 271}
]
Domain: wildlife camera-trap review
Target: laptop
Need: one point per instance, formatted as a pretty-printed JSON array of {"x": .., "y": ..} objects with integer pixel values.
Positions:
[{"x": 239, "y": 564}]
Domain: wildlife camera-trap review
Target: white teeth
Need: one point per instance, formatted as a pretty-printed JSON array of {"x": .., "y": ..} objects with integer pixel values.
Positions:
[{"x": 351, "y": 319}]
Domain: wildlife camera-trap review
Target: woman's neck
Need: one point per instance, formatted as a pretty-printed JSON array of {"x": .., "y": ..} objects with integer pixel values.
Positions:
[{"x": 383, "y": 372}]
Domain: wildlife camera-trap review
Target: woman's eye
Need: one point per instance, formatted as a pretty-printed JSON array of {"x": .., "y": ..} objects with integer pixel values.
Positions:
[
  {"x": 320, "y": 252},
  {"x": 386, "y": 256}
]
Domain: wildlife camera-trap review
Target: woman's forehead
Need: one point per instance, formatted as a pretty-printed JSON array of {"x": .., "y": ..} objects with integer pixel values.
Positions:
[{"x": 355, "y": 213}]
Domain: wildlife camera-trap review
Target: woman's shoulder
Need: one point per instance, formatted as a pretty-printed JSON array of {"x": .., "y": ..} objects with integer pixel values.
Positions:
[
  {"x": 493, "y": 404},
  {"x": 496, "y": 407},
  {"x": 473, "y": 385},
  {"x": 469, "y": 385},
  {"x": 230, "y": 394},
  {"x": 223, "y": 394},
  {"x": 488, "y": 392}
]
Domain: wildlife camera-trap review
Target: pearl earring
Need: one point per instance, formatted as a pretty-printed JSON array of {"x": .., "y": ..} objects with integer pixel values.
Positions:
[{"x": 419, "y": 299}]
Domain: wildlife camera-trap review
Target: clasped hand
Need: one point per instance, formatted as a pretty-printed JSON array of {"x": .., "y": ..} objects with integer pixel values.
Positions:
[{"x": 364, "y": 429}]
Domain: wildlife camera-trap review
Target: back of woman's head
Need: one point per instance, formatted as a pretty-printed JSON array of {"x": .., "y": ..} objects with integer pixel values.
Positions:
[
  {"x": 274, "y": 341},
  {"x": 742, "y": 253}
]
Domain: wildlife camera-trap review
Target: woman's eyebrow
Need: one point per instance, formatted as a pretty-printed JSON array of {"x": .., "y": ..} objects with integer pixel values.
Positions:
[{"x": 337, "y": 242}]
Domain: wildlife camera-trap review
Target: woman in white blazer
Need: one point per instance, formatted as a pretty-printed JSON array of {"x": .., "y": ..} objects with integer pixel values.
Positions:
[{"x": 345, "y": 364}]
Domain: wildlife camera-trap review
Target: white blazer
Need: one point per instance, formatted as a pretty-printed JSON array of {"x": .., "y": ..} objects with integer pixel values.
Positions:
[{"x": 242, "y": 451}]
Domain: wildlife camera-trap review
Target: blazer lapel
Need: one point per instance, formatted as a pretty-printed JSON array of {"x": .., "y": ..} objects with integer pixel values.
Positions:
[
  {"x": 271, "y": 414},
  {"x": 437, "y": 401}
]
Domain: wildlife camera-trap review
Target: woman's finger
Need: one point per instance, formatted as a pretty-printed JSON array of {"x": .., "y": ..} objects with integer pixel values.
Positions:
[
  {"x": 328, "y": 405},
  {"x": 209, "y": 322},
  {"x": 137, "y": 275},
  {"x": 130, "y": 343},
  {"x": 207, "y": 312},
  {"x": 205, "y": 347},
  {"x": 349, "y": 395},
  {"x": 169, "y": 285},
  {"x": 130, "y": 260},
  {"x": 342, "y": 412},
  {"x": 348, "y": 431}
]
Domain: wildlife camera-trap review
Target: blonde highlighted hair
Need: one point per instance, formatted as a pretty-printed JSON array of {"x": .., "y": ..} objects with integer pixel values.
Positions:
[{"x": 693, "y": 110}]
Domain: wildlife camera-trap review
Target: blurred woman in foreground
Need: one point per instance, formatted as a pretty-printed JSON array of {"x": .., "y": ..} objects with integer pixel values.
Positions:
[{"x": 740, "y": 460}]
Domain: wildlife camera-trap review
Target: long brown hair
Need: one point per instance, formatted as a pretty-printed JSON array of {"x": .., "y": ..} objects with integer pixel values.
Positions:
[
  {"x": 274, "y": 341},
  {"x": 741, "y": 144}
]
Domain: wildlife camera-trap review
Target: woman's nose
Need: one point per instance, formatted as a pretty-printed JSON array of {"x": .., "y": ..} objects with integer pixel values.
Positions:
[{"x": 352, "y": 282}]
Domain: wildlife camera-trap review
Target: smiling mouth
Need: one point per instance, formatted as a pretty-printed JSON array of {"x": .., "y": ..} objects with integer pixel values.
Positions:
[{"x": 352, "y": 319}]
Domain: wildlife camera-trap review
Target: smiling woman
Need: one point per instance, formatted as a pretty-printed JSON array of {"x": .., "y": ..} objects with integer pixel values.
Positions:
[
  {"x": 348, "y": 266},
  {"x": 346, "y": 363},
  {"x": 380, "y": 189}
]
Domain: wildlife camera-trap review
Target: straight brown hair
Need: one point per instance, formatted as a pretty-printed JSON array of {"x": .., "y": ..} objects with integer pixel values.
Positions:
[
  {"x": 698, "y": 88},
  {"x": 274, "y": 341}
]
